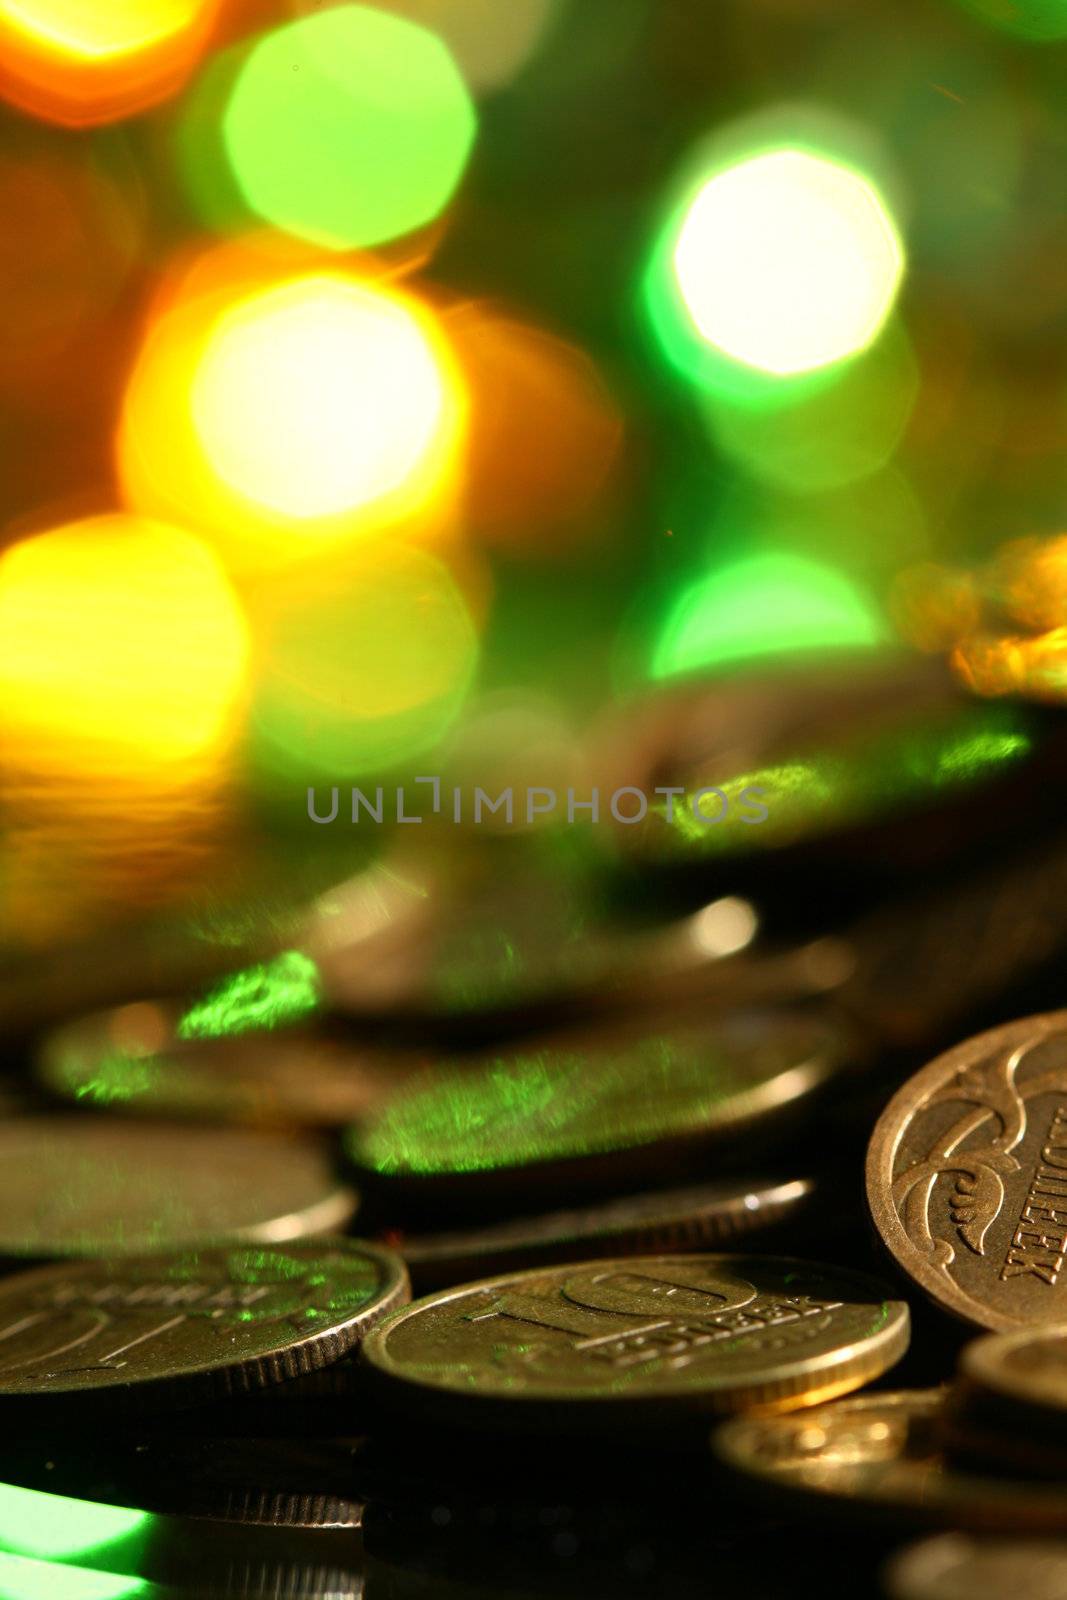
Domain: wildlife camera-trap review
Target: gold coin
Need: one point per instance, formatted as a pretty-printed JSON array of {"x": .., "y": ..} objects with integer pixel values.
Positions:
[
  {"x": 134, "y": 1059},
  {"x": 638, "y": 1341},
  {"x": 967, "y": 1176},
  {"x": 955, "y": 1567},
  {"x": 881, "y": 1452},
  {"x": 1028, "y": 1367}
]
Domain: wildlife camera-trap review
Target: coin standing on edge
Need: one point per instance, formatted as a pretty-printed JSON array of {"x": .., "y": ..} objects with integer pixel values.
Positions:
[
  {"x": 73, "y": 1186},
  {"x": 881, "y": 1453},
  {"x": 191, "y": 1327},
  {"x": 644, "y": 1340},
  {"x": 967, "y": 1176},
  {"x": 952, "y": 1566},
  {"x": 620, "y": 1098},
  {"x": 673, "y": 1220}
]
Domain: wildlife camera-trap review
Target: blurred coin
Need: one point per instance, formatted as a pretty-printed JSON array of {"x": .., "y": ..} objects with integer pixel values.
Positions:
[
  {"x": 955, "y": 1567},
  {"x": 81, "y": 1187},
  {"x": 1028, "y": 1368},
  {"x": 1008, "y": 1407},
  {"x": 967, "y": 1175},
  {"x": 140, "y": 1059},
  {"x": 676, "y": 1219},
  {"x": 880, "y": 1452},
  {"x": 628, "y": 1097},
  {"x": 190, "y": 1327},
  {"x": 920, "y": 965},
  {"x": 803, "y": 752},
  {"x": 640, "y": 1341}
]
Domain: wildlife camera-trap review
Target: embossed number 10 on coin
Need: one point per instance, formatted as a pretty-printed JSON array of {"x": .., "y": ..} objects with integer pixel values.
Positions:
[
  {"x": 967, "y": 1175},
  {"x": 642, "y": 1341}
]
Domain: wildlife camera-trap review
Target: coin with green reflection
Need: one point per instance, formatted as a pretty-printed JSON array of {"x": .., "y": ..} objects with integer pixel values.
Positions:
[{"x": 609, "y": 1101}]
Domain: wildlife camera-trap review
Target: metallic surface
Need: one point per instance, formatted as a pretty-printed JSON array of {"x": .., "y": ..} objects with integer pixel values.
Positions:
[
  {"x": 81, "y": 1186},
  {"x": 881, "y": 1452},
  {"x": 620, "y": 1092},
  {"x": 190, "y": 1327},
  {"x": 967, "y": 1175},
  {"x": 953, "y": 1566},
  {"x": 644, "y": 1340},
  {"x": 676, "y": 1219},
  {"x": 133, "y": 1060}
]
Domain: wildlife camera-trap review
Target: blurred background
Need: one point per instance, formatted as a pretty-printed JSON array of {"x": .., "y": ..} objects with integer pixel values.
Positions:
[{"x": 404, "y": 389}]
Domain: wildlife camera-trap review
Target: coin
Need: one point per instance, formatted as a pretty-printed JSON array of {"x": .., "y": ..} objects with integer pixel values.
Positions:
[
  {"x": 967, "y": 1175},
  {"x": 952, "y": 1566},
  {"x": 623, "y": 1098},
  {"x": 135, "y": 1059},
  {"x": 1027, "y": 1368},
  {"x": 675, "y": 1219},
  {"x": 1009, "y": 1404},
  {"x": 881, "y": 1452},
  {"x": 640, "y": 1341},
  {"x": 190, "y": 1327},
  {"x": 919, "y": 965},
  {"x": 81, "y": 1186},
  {"x": 812, "y": 751}
]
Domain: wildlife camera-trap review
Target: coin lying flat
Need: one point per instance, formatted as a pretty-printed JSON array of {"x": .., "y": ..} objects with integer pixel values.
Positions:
[
  {"x": 194, "y": 1326},
  {"x": 676, "y": 1219},
  {"x": 642, "y": 1340},
  {"x": 1028, "y": 1368},
  {"x": 81, "y": 1186},
  {"x": 624, "y": 1097},
  {"x": 967, "y": 1175},
  {"x": 1008, "y": 1407},
  {"x": 813, "y": 752},
  {"x": 881, "y": 1452},
  {"x": 955, "y": 1567},
  {"x": 135, "y": 1059}
]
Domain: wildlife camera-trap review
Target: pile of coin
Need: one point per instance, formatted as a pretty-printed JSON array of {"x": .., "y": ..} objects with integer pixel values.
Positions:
[{"x": 607, "y": 1124}]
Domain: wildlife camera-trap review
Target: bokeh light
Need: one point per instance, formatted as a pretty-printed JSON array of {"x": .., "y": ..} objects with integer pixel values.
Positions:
[
  {"x": 349, "y": 127},
  {"x": 317, "y": 397},
  {"x": 79, "y": 231},
  {"x": 788, "y": 262},
  {"x": 282, "y": 410},
  {"x": 122, "y": 648},
  {"x": 1036, "y": 20},
  {"x": 363, "y": 665},
  {"x": 761, "y": 606},
  {"x": 80, "y": 63},
  {"x": 22, "y": 1578},
  {"x": 491, "y": 42},
  {"x": 525, "y": 384},
  {"x": 826, "y": 435}
]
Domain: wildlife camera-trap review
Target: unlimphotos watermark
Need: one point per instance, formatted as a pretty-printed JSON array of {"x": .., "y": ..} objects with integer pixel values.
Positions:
[{"x": 514, "y": 807}]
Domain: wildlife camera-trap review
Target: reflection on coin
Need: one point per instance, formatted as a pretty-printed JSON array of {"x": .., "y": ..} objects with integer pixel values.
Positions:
[
  {"x": 288, "y": 1483},
  {"x": 80, "y": 1187},
  {"x": 239, "y": 1575},
  {"x": 881, "y": 1452},
  {"x": 967, "y": 1175},
  {"x": 211, "y": 1558},
  {"x": 954, "y": 1567},
  {"x": 1028, "y": 1367},
  {"x": 642, "y": 1340},
  {"x": 676, "y": 1219},
  {"x": 193, "y": 1326},
  {"x": 632, "y": 1094},
  {"x": 795, "y": 753},
  {"x": 136, "y": 1059}
]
